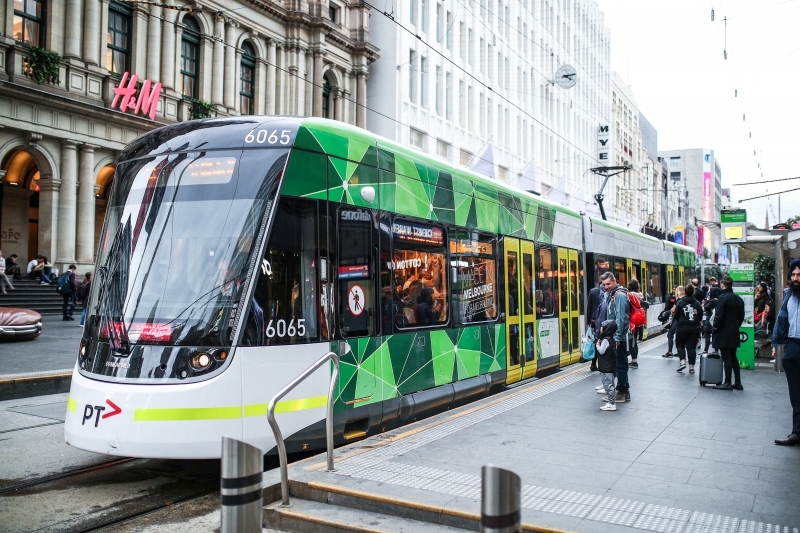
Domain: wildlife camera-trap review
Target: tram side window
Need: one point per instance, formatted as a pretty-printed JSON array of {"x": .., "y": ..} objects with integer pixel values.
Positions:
[
  {"x": 655, "y": 283},
  {"x": 474, "y": 285},
  {"x": 620, "y": 272},
  {"x": 418, "y": 261},
  {"x": 356, "y": 277},
  {"x": 546, "y": 301},
  {"x": 602, "y": 264},
  {"x": 284, "y": 308}
]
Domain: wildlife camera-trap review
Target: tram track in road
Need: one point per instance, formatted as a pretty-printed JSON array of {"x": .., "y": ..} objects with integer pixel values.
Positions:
[{"x": 96, "y": 497}]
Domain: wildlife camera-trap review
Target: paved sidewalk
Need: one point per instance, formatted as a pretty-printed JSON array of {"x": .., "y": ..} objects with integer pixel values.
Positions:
[
  {"x": 55, "y": 349},
  {"x": 677, "y": 458}
]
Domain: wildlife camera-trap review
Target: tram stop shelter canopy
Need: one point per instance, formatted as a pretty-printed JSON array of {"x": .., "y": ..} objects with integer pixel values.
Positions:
[{"x": 763, "y": 241}]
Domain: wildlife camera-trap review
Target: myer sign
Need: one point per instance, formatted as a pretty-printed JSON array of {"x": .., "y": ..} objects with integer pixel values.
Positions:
[{"x": 603, "y": 146}]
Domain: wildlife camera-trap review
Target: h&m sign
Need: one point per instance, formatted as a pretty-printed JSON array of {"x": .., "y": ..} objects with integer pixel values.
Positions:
[
  {"x": 603, "y": 138},
  {"x": 146, "y": 101}
]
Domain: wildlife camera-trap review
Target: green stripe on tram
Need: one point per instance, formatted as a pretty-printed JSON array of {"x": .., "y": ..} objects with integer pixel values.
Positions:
[{"x": 223, "y": 413}]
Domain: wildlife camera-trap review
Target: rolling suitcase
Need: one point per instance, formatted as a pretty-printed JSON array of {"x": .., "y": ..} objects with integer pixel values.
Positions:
[{"x": 710, "y": 369}]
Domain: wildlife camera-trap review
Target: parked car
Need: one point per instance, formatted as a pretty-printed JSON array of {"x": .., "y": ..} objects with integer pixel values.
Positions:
[{"x": 19, "y": 324}]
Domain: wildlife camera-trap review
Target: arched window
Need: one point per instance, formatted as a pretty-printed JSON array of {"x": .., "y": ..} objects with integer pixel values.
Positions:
[
  {"x": 190, "y": 56},
  {"x": 247, "y": 71},
  {"x": 326, "y": 98}
]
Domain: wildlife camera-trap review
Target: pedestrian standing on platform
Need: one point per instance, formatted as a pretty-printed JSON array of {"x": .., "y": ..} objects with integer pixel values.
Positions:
[
  {"x": 699, "y": 291},
  {"x": 83, "y": 291},
  {"x": 618, "y": 310},
  {"x": 593, "y": 307},
  {"x": 728, "y": 317},
  {"x": 708, "y": 310},
  {"x": 787, "y": 333},
  {"x": 633, "y": 286},
  {"x": 673, "y": 324},
  {"x": 605, "y": 353},
  {"x": 69, "y": 297},
  {"x": 689, "y": 316}
]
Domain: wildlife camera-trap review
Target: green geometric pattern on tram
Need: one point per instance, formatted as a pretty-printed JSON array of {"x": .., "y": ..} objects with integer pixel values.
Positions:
[
  {"x": 383, "y": 368},
  {"x": 407, "y": 183}
]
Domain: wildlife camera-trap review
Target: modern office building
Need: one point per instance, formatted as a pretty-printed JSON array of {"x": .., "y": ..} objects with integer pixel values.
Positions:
[
  {"x": 694, "y": 193},
  {"x": 68, "y": 91},
  {"x": 476, "y": 82}
]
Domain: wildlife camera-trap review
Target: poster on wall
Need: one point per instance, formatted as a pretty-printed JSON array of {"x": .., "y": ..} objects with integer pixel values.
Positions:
[{"x": 743, "y": 275}]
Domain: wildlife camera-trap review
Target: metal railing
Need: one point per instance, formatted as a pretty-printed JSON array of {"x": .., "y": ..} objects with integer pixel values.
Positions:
[{"x": 328, "y": 416}]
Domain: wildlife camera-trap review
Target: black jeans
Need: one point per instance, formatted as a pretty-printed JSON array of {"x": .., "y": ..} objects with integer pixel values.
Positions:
[
  {"x": 634, "y": 340},
  {"x": 731, "y": 363},
  {"x": 671, "y": 334},
  {"x": 69, "y": 304},
  {"x": 686, "y": 341},
  {"x": 622, "y": 368},
  {"x": 791, "y": 366}
]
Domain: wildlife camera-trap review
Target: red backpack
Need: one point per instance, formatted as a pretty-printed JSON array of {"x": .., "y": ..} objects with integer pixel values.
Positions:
[{"x": 638, "y": 314}]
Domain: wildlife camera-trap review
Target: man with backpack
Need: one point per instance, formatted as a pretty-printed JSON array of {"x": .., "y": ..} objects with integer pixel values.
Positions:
[
  {"x": 618, "y": 310},
  {"x": 66, "y": 288}
]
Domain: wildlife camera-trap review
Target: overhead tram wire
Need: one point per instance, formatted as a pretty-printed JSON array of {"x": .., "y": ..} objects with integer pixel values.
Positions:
[
  {"x": 768, "y": 181},
  {"x": 510, "y": 103},
  {"x": 396, "y": 121}
]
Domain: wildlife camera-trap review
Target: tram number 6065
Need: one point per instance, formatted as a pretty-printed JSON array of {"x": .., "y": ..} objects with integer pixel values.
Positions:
[
  {"x": 281, "y": 329},
  {"x": 264, "y": 136}
]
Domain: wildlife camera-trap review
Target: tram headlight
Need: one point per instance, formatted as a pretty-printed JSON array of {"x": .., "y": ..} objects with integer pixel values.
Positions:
[{"x": 200, "y": 361}]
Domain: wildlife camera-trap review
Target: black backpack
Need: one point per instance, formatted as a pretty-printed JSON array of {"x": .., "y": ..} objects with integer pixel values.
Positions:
[
  {"x": 83, "y": 291},
  {"x": 64, "y": 286}
]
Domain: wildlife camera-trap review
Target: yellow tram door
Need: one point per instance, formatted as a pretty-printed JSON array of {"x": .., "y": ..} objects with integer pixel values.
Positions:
[
  {"x": 563, "y": 307},
  {"x": 645, "y": 283},
  {"x": 518, "y": 263},
  {"x": 574, "y": 287},
  {"x": 629, "y": 270},
  {"x": 670, "y": 278},
  {"x": 681, "y": 274}
]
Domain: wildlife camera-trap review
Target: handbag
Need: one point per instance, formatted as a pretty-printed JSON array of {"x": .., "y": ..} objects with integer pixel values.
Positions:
[
  {"x": 587, "y": 349},
  {"x": 762, "y": 331}
]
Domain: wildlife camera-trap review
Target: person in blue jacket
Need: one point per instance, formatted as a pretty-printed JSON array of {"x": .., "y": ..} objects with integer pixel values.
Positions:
[{"x": 787, "y": 333}]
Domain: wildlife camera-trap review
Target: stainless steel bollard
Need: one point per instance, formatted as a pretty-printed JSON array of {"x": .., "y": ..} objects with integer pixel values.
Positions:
[
  {"x": 242, "y": 472},
  {"x": 500, "y": 500}
]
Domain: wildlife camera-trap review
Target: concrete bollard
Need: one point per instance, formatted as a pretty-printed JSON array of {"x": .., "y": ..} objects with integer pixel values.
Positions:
[
  {"x": 242, "y": 472},
  {"x": 500, "y": 500}
]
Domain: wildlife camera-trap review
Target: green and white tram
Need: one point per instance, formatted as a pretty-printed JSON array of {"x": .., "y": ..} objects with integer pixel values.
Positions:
[{"x": 237, "y": 251}]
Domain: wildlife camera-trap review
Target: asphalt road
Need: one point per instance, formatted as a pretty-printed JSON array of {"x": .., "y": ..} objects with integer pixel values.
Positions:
[{"x": 55, "y": 349}]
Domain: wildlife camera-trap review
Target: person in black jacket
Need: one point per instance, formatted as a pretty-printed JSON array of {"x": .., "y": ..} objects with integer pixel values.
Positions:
[
  {"x": 673, "y": 324},
  {"x": 708, "y": 308},
  {"x": 689, "y": 316},
  {"x": 728, "y": 317},
  {"x": 592, "y": 307},
  {"x": 69, "y": 297},
  {"x": 606, "y": 354}
]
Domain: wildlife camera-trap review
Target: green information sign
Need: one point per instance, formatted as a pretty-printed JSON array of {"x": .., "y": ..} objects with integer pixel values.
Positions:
[
  {"x": 739, "y": 215},
  {"x": 743, "y": 275}
]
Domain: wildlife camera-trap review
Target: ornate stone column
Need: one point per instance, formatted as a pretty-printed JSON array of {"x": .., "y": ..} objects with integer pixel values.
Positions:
[
  {"x": 86, "y": 190},
  {"x": 260, "y": 88},
  {"x": 280, "y": 82},
  {"x": 271, "y": 91},
  {"x": 337, "y": 96},
  {"x": 72, "y": 39},
  {"x": 361, "y": 98},
  {"x": 168, "y": 49},
  {"x": 48, "y": 214},
  {"x": 153, "y": 43},
  {"x": 91, "y": 41},
  {"x": 307, "y": 88},
  {"x": 317, "y": 87},
  {"x": 229, "y": 91},
  {"x": 67, "y": 203},
  {"x": 218, "y": 66}
]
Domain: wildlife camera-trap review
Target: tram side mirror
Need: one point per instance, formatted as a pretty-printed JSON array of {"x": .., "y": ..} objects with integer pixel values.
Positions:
[{"x": 368, "y": 194}]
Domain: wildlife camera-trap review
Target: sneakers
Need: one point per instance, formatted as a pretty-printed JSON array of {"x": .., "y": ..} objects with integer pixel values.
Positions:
[
  {"x": 737, "y": 386},
  {"x": 633, "y": 364},
  {"x": 667, "y": 355},
  {"x": 621, "y": 397},
  {"x": 628, "y": 396},
  {"x": 601, "y": 390},
  {"x": 681, "y": 368},
  {"x": 600, "y": 387},
  {"x": 609, "y": 407}
]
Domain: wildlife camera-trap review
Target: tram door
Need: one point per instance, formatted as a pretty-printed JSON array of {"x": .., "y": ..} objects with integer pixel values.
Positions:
[
  {"x": 681, "y": 274},
  {"x": 670, "y": 278},
  {"x": 520, "y": 310},
  {"x": 569, "y": 312}
]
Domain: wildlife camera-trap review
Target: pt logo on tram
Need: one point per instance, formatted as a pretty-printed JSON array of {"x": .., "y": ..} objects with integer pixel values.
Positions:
[{"x": 95, "y": 410}]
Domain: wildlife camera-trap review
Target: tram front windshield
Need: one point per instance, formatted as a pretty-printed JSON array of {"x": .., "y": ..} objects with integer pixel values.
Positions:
[{"x": 176, "y": 247}]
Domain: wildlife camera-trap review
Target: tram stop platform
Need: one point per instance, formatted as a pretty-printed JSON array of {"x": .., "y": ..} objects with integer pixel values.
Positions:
[{"x": 677, "y": 458}]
